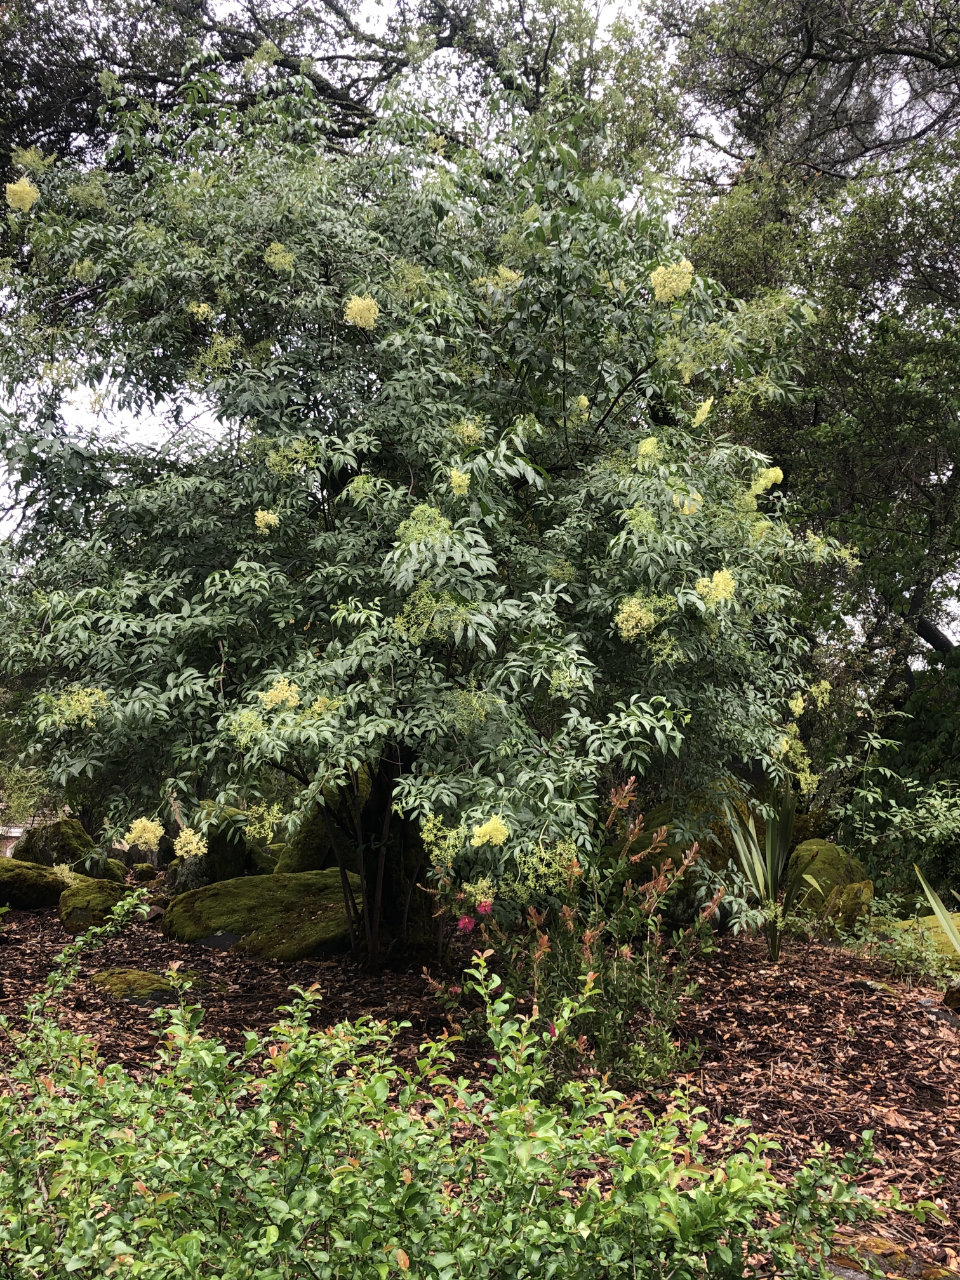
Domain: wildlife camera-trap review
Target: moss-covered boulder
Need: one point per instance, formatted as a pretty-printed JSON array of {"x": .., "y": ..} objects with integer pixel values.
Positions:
[
  {"x": 54, "y": 843},
  {"x": 854, "y": 902},
  {"x": 935, "y": 931},
  {"x": 279, "y": 917},
  {"x": 111, "y": 869},
  {"x": 144, "y": 872},
  {"x": 87, "y": 902},
  {"x": 27, "y": 885},
  {"x": 832, "y": 868},
  {"x": 137, "y": 985},
  {"x": 314, "y": 847}
]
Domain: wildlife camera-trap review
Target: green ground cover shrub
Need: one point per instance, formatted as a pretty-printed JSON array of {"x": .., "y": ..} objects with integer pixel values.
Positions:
[{"x": 313, "y": 1154}]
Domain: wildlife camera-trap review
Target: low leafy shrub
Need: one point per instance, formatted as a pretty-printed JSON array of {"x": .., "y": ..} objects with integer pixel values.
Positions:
[
  {"x": 313, "y": 1155},
  {"x": 910, "y": 953}
]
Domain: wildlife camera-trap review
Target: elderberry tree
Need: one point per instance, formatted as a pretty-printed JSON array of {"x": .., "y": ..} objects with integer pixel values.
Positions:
[{"x": 469, "y": 543}]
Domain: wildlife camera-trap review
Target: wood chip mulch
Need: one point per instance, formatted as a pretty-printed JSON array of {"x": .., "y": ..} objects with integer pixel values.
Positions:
[
  {"x": 813, "y": 1050},
  {"x": 822, "y": 1047}
]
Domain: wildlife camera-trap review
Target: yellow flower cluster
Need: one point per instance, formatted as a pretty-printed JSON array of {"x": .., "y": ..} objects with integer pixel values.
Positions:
[
  {"x": 504, "y": 278},
  {"x": 31, "y": 159},
  {"x": 88, "y": 194},
  {"x": 217, "y": 356},
  {"x": 361, "y": 311},
  {"x": 671, "y": 282},
  {"x": 766, "y": 479},
  {"x": 424, "y": 524},
  {"x": 22, "y": 195},
  {"x": 282, "y": 693},
  {"x": 468, "y": 708},
  {"x": 715, "y": 590},
  {"x": 688, "y": 504},
  {"x": 189, "y": 844},
  {"x": 469, "y": 431},
  {"x": 427, "y": 616},
  {"x": 796, "y": 704},
  {"x": 638, "y": 614},
  {"x": 361, "y": 487},
  {"x": 441, "y": 842},
  {"x": 322, "y": 705},
  {"x": 244, "y": 727},
  {"x": 482, "y": 890},
  {"x": 820, "y": 692},
  {"x": 546, "y": 870},
  {"x": 265, "y": 521},
  {"x": 278, "y": 257},
  {"x": 649, "y": 452},
  {"x": 145, "y": 834},
  {"x": 459, "y": 482},
  {"x": 85, "y": 270},
  {"x": 81, "y": 706},
  {"x": 703, "y": 412},
  {"x": 200, "y": 310},
  {"x": 494, "y": 831},
  {"x": 640, "y": 520},
  {"x": 634, "y": 618},
  {"x": 581, "y": 409},
  {"x": 293, "y": 457},
  {"x": 262, "y": 819}
]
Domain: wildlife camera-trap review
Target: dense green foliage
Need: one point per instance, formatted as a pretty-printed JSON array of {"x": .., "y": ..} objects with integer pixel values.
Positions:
[
  {"x": 464, "y": 550},
  {"x": 314, "y": 1154}
]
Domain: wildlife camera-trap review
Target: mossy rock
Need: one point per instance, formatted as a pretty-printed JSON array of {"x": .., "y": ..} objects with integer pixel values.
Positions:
[
  {"x": 311, "y": 847},
  {"x": 144, "y": 872},
  {"x": 87, "y": 902},
  {"x": 137, "y": 985},
  {"x": 831, "y": 867},
  {"x": 933, "y": 928},
  {"x": 278, "y": 917},
  {"x": 27, "y": 886},
  {"x": 855, "y": 900},
  {"x": 54, "y": 843}
]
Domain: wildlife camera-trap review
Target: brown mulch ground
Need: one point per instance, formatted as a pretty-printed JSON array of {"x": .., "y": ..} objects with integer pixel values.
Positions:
[{"x": 814, "y": 1050}]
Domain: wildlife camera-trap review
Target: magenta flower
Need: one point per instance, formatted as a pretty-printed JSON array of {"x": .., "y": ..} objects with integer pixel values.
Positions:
[
  {"x": 465, "y": 924},
  {"x": 485, "y": 908}
]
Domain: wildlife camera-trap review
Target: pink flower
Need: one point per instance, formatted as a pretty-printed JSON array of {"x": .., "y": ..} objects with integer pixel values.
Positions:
[
  {"x": 485, "y": 908},
  {"x": 553, "y": 1029},
  {"x": 465, "y": 924}
]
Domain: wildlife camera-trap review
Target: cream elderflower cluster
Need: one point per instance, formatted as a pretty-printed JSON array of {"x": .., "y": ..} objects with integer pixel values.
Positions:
[
  {"x": 703, "y": 412},
  {"x": 265, "y": 521},
  {"x": 504, "y": 278},
  {"x": 81, "y": 707},
  {"x": 424, "y": 524},
  {"x": 361, "y": 311},
  {"x": 145, "y": 833},
  {"x": 282, "y": 693},
  {"x": 189, "y": 844},
  {"x": 717, "y": 589},
  {"x": 649, "y": 452},
  {"x": 22, "y": 195},
  {"x": 673, "y": 281},
  {"x": 766, "y": 479},
  {"x": 469, "y": 431},
  {"x": 278, "y": 257},
  {"x": 634, "y": 618},
  {"x": 494, "y": 831},
  {"x": 442, "y": 843},
  {"x": 459, "y": 482}
]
